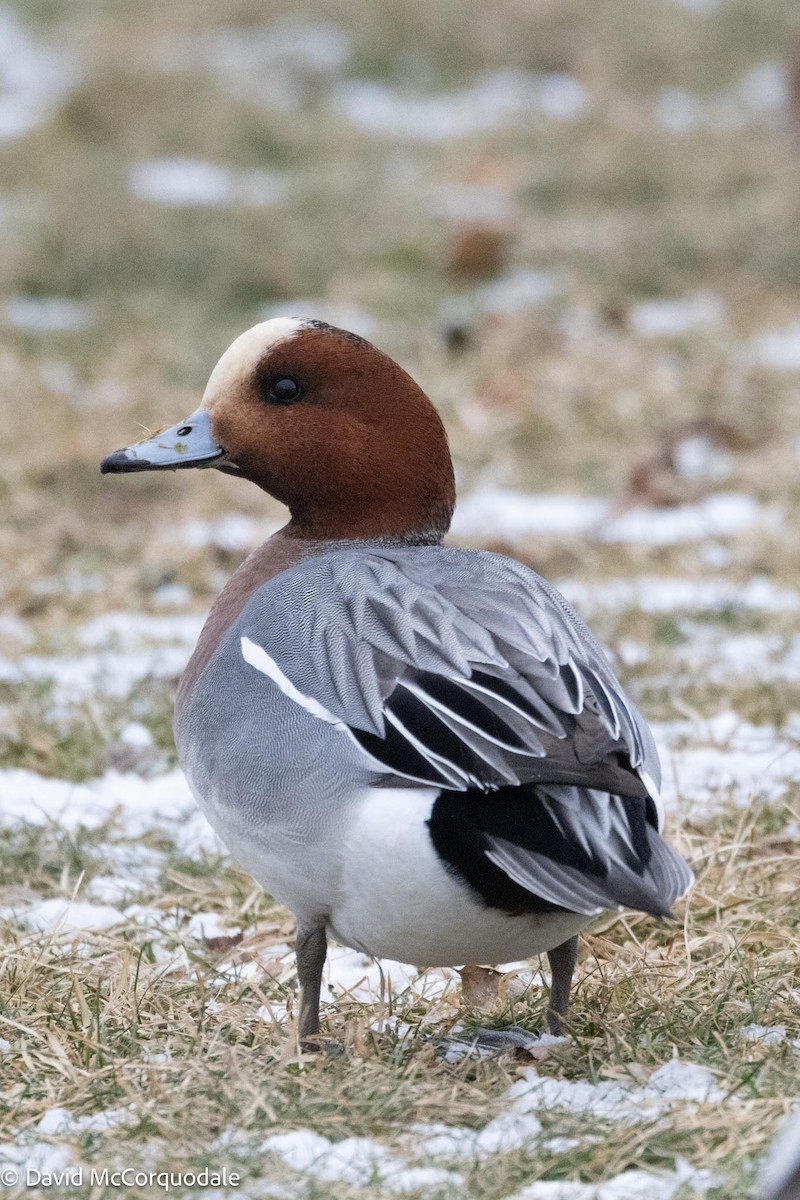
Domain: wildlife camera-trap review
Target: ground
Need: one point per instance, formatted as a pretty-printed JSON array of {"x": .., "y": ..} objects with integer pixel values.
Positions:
[{"x": 577, "y": 226}]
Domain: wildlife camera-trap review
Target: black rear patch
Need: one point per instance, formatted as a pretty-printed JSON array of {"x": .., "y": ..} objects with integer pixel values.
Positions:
[{"x": 461, "y": 823}]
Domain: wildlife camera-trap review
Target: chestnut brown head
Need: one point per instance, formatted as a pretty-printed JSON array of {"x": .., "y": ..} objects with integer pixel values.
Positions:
[{"x": 326, "y": 423}]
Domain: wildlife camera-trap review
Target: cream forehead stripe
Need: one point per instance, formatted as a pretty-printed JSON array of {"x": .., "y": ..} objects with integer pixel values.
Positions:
[{"x": 242, "y": 355}]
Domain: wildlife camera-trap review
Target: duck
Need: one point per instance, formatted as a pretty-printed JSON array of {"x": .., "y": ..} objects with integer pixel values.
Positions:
[{"x": 419, "y": 749}]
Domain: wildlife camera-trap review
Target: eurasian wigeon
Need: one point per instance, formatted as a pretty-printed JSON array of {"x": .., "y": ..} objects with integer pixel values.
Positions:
[{"x": 420, "y": 750}]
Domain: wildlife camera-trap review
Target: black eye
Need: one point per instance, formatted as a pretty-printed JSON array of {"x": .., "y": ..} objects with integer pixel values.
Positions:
[{"x": 285, "y": 390}]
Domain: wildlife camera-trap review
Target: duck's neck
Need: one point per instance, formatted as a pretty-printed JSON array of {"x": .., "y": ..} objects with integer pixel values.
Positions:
[{"x": 283, "y": 550}]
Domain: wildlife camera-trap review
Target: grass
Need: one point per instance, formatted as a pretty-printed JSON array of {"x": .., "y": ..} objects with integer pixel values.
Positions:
[
  {"x": 109, "y": 1026},
  {"x": 150, "y": 1014}
]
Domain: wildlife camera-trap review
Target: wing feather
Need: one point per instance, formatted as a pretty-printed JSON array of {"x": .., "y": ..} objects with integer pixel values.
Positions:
[{"x": 467, "y": 672}]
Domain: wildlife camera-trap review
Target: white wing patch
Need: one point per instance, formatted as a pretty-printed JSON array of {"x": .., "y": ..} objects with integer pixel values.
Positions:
[
  {"x": 257, "y": 657},
  {"x": 654, "y": 794}
]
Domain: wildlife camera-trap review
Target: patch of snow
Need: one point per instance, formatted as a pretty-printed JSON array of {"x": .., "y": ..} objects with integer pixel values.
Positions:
[
  {"x": 355, "y": 1160},
  {"x": 348, "y": 973},
  {"x": 157, "y": 1059},
  {"x": 172, "y": 595},
  {"x": 131, "y": 630},
  {"x": 194, "y": 183},
  {"x": 351, "y": 973},
  {"x": 15, "y": 630},
  {"x": 495, "y": 99},
  {"x": 674, "y": 318},
  {"x": 678, "y": 110},
  {"x": 60, "y": 377},
  {"x": 507, "y": 1132},
  {"x": 719, "y": 656},
  {"x": 714, "y": 554},
  {"x": 630, "y": 1185},
  {"x": 61, "y": 1120},
  {"x": 500, "y": 513},
  {"x": 759, "y": 98},
  {"x": 764, "y": 88},
  {"x": 723, "y": 514},
  {"x": 420, "y": 1179},
  {"x": 490, "y": 512},
  {"x": 667, "y": 594},
  {"x": 107, "y": 673},
  {"x": 36, "y": 1156},
  {"x": 561, "y": 96},
  {"x": 676, "y": 1082},
  {"x": 778, "y": 348},
  {"x": 444, "y": 1142},
  {"x": 231, "y": 532},
  {"x": 630, "y": 652},
  {"x": 111, "y": 889},
  {"x": 561, "y": 1145},
  {"x": 137, "y": 735},
  {"x": 738, "y": 761},
  {"x": 207, "y": 925},
  {"x": 517, "y": 291},
  {"x": 767, "y": 1035},
  {"x": 274, "y": 1013},
  {"x": 162, "y": 802},
  {"x": 698, "y": 457},
  {"x": 314, "y": 45},
  {"x": 280, "y": 65},
  {"x": 34, "y": 78},
  {"x": 48, "y": 314},
  {"x": 127, "y": 648},
  {"x": 300, "y": 1149},
  {"x": 5, "y": 1046},
  {"x": 64, "y": 916}
]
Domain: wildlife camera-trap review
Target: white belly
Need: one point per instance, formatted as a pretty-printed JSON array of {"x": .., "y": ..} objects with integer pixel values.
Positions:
[
  {"x": 374, "y": 878},
  {"x": 397, "y": 900}
]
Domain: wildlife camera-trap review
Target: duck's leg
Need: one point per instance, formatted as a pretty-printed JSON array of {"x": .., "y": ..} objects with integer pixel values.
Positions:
[
  {"x": 311, "y": 947},
  {"x": 562, "y": 961}
]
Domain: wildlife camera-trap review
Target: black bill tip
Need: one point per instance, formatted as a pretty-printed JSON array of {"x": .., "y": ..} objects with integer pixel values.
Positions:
[
  {"x": 186, "y": 444},
  {"x": 121, "y": 463}
]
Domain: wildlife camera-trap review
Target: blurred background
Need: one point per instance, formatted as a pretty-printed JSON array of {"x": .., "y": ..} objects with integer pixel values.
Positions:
[{"x": 577, "y": 225}]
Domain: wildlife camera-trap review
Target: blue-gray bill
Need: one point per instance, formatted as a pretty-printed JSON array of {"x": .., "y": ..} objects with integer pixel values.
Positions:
[{"x": 187, "y": 444}]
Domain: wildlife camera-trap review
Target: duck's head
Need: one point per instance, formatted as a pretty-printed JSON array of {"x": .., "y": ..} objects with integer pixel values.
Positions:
[{"x": 323, "y": 421}]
